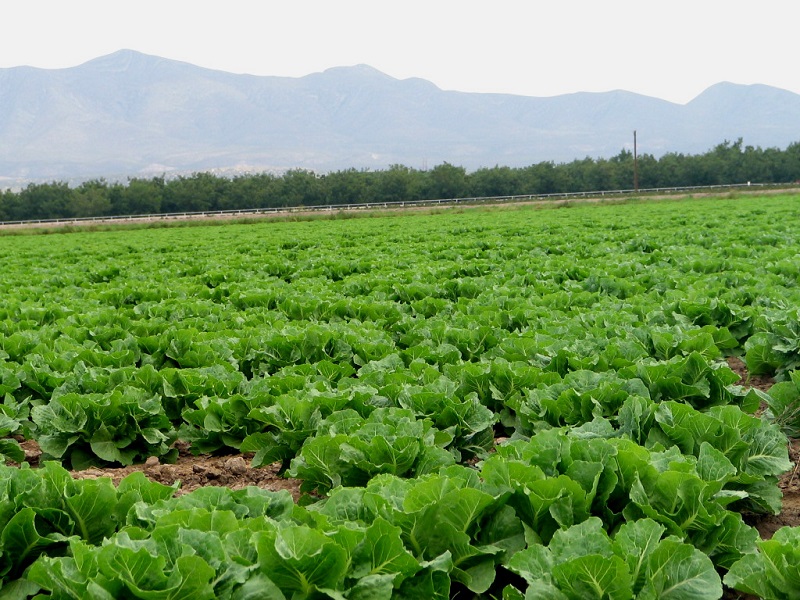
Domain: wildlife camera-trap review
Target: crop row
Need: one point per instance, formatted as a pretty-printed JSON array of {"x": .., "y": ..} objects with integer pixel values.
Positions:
[{"x": 570, "y": 515}]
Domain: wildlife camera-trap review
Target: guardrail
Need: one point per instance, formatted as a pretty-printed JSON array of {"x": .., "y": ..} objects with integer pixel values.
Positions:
[{"x": 244, "y": 212}]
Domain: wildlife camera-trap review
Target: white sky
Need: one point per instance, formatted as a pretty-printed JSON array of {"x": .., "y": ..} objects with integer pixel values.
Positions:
[{"x": 667, "y": 49}]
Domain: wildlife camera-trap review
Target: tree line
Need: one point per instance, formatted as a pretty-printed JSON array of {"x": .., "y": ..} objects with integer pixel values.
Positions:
[{"x": 726, "y": 163}]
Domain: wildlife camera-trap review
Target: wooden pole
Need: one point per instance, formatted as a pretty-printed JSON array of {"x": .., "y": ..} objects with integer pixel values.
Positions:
[{"x": 635, "y": 165}]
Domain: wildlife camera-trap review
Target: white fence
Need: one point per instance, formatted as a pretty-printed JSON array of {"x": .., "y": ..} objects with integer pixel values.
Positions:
[{"x": 245, "y": 212}]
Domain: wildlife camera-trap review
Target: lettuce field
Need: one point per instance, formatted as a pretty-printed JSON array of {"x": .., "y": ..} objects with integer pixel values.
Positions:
[{"x": 516, "y": 404}]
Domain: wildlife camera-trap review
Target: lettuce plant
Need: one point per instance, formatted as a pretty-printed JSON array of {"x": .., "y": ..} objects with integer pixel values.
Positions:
[
  {"x": 584, "y": 562},
  {"x": 773, "y": 573},
  {"x": 122, "y": 427}
]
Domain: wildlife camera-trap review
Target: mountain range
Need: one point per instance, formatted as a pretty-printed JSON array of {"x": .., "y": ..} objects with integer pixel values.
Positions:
[{"x": 132, "y": 114}]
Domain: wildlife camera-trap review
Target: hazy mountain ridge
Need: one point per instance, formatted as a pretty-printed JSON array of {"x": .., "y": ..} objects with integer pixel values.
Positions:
[{"x": 130, "y": 113}]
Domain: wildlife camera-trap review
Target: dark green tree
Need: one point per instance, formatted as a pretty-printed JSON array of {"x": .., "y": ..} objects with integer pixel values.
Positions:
[
  {"x": 91, "y": 199},
  {"x": 139, "y": 197},
  {"x": 45, "y": 201},
  {"x": 497, "y": 181},
  {"x": 347, "y": 187},
  {"x": 299, "y": 187},
  {"x": 397, "y": 184},
  {"x": 446, "y": 181},
  {"x": 196, "y": 193},
  {"x": 259, "y": 190}
]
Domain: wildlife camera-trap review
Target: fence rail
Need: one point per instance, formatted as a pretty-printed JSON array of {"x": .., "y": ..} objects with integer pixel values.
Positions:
[{"x": 245, "y": 212}]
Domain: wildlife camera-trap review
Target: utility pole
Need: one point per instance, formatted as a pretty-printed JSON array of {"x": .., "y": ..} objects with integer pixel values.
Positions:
[{"x": 635, "y": 165}]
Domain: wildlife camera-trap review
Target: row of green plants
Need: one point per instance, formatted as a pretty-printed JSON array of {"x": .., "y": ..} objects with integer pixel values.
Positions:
[
  {"x": 106, "y": 415},
  {"x": 378, "y": 360},
  {"x": 564, "y": 515},
  {"x": 731, "y": 163},
  {"x": 300, "y": 414}
]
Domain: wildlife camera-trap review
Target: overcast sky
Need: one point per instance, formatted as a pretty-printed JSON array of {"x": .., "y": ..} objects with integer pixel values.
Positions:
[{"x": 667, "y": 49}]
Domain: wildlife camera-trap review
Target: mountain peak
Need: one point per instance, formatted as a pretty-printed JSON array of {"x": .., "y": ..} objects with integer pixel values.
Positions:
[
  {"x": 354, "y": 74},
  {"x": 743, "y": 98},
  {"x": 119, "y": 113},
  {"x": 132, "y": 61},
  {"x": 360, "y": 69},
  {"x": 120, "y": 60}
]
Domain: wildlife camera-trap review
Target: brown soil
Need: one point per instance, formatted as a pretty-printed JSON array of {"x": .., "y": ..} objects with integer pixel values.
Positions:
[
  {"x": 789, "y": 482},
  {"x": 759, "y": 382},
  {"x": 192, "y": 472},
  {"x": 790, "y": 486}
]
